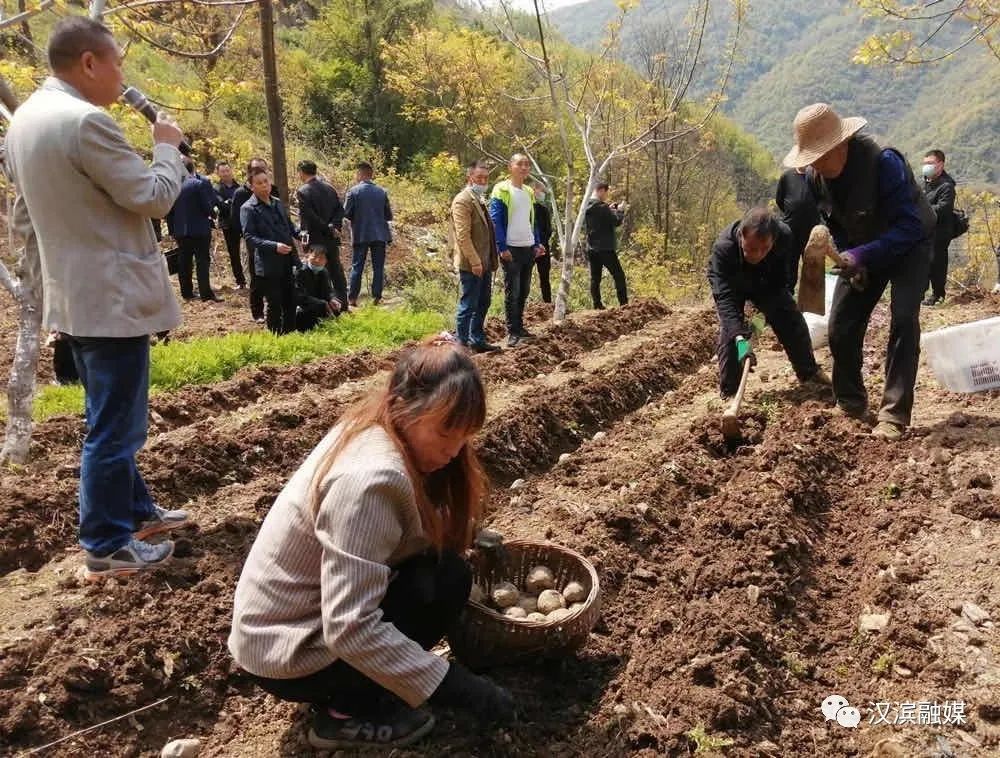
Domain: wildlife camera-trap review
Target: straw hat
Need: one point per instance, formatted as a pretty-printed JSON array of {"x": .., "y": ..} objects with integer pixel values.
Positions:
[{"x": 818, "y": 129}]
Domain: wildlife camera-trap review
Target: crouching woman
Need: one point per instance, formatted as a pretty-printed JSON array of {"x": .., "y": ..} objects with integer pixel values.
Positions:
[{"x": 358, "y": 571}]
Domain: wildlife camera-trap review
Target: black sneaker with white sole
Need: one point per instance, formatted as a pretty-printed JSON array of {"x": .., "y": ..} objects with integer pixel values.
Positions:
[
  {"x": 161, "y": 520},
  {"x": 134, "y": 557},
  {"x": 397, "y": 725}
]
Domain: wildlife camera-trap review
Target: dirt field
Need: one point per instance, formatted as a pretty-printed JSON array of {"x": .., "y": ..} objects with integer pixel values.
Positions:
[{"x": 733, "y": 577}]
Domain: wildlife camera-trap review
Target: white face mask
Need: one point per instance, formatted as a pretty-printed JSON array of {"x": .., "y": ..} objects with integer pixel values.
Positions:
[
  {"x": 539, "y": 197},
  {"x": 479, "y": 189}
]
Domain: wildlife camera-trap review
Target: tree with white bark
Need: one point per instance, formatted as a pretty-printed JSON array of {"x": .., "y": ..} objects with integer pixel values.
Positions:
[{"x": 24, "y": 283}]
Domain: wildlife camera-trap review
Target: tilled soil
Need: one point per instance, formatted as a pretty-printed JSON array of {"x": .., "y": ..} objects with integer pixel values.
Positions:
[{"x": 733, "y": 574}]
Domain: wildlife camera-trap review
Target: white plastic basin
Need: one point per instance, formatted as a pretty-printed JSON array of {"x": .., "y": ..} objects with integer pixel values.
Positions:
[{"x": 965, "y": 358}]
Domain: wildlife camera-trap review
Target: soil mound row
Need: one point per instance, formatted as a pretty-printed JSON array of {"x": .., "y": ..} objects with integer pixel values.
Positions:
[{"x": 263, "y": 420}]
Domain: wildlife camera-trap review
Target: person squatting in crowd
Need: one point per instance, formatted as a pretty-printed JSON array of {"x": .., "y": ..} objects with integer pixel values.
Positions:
[
  {"x": 315, "y": 296},
  {"x": 359, "y": 570}
]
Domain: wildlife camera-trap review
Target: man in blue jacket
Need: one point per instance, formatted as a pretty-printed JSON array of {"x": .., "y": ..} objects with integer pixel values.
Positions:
[
  {"x": 190, "y": 223},
  {"x": 367, "y": 207},
  {"x": 884, "y": 229},
  {"x": 512, "y": 208},
  {"x": 270, "y": 234}
]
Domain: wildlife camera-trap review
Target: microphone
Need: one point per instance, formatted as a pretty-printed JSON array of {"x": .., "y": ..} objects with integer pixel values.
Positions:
[{"x": 138, "y": 101}]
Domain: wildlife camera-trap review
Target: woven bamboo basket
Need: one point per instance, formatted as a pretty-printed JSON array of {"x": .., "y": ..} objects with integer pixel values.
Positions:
[{"x": 483, "y": 637}]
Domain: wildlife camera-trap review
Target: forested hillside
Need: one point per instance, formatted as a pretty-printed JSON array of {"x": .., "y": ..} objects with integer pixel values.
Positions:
[{"x": 794, "y": 53}]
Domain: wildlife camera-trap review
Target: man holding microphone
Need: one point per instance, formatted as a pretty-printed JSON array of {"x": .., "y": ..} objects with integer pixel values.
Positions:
[{"x": 104, "y": 279}]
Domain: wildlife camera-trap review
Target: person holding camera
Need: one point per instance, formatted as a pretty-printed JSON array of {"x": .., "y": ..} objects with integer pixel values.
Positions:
[
  {"x": 602, "y": 220},
  {"x": 83, "y": 205}
]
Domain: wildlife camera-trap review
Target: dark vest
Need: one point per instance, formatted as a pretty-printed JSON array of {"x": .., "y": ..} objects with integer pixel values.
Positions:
[{"x": 851, "y": 201}]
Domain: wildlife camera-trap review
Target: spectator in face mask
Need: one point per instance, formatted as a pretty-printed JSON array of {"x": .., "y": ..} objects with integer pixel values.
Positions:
[
  {"x": 314, "y": 292},
  {"x": 939, "y": 189},
  {"x": 475, "y": 257},
  {"x": 543, "y": 218}
]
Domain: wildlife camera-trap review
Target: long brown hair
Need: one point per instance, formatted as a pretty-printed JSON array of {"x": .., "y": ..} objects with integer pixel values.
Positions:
[{"x": 435, "y": 382}]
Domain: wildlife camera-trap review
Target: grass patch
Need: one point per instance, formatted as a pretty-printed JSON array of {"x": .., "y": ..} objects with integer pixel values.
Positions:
[
  {"x": 882, "y": 665},
  {"x": 796, "y": 666},
  {"x": 206, "y": 360},
  {"x": 705, "y": 742}
]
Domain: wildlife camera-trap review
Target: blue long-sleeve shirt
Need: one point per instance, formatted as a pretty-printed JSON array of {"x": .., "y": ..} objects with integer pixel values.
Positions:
[{"x": 905, "y": 228}]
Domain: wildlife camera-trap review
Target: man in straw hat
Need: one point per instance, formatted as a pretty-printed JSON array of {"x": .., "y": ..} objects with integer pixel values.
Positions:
[{"x": 884, "y": 228}]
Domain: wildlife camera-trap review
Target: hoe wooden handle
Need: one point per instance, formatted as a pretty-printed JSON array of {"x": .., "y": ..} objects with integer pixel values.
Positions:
[{"x": 734, "y": 405}]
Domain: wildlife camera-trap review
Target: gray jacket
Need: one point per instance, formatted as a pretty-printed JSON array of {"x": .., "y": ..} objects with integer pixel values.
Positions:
[{"x": 83, "y": 205}]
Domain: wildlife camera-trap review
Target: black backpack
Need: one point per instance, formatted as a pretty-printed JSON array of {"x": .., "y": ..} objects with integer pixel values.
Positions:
[{"x": 960, "y": 223}]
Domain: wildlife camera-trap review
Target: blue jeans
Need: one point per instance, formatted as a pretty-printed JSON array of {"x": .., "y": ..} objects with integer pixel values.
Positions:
[
  {"x": 113, "y": 498},
  {"x": 474, "y": 301},
  {"x": 358, "y": 268}
]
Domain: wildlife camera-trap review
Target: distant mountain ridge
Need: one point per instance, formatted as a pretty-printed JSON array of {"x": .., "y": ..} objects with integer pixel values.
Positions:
[{"x": 793, "y": 53}]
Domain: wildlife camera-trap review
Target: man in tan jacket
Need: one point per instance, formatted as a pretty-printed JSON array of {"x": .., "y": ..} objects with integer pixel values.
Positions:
[
  {"x": 475, "y": 257},
  {"x": 83, "y": 205}
]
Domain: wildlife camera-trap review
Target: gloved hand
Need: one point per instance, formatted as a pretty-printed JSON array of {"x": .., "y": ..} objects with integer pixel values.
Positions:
[
  {"x": 489, "y": 545},
  {"x": 489, "y": 702},
  {"x": 849, "y": 266},
  {"x": 744, "y": 350},
  {"x": 851, "y": 269}
]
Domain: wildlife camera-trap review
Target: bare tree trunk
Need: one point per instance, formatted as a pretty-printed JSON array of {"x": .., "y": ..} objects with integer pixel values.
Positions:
[
  {"x": 26, "y": 290},
  {"x": 21, "y": 385},
  {"x": 275, "y": 120}
]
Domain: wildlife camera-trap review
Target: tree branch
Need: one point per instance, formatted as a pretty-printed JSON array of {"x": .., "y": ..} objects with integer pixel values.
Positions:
[
  {"x": 141, "y": 3},
  {"x": 21, "y": 17},
  {"x": 214, "y": 52}
]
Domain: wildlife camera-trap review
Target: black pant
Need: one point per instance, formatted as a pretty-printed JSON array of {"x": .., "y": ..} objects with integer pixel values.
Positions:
[
  {"x": 849, "y": 322},
  {"x": 939, "y": 271},
  {"x": 606, "y": 259},
  {"x": 516, "y": 285},
  {"x": 307, "y": 317},
  {"x": 233, "y": 237},
  {"x": 423, "y": 601},
  {"x": 63, "y": 363},
  {"x": 335, "y": 268},
  {"x": 196, "y": 250},
  {"x": 789, "y": 327},
  {"x": 279, "y": 299},
  {"x": 544, "y": 265},
  {"x": 256, "y": 293}
]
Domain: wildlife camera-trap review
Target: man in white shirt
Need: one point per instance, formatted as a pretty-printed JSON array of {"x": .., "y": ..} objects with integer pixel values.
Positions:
[{"x": 512, "y": 208}]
